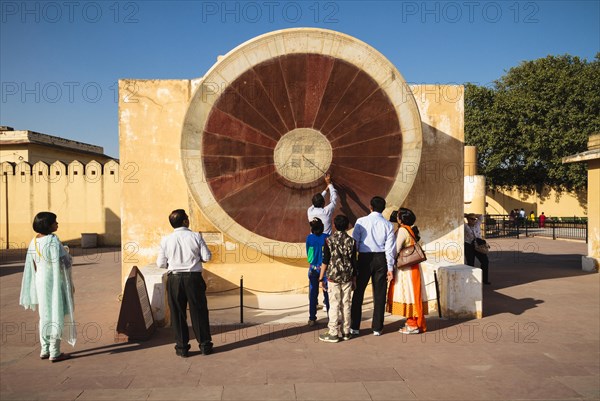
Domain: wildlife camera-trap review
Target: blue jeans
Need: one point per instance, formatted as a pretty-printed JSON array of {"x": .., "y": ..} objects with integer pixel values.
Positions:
[{"x": 313, "y": 292}]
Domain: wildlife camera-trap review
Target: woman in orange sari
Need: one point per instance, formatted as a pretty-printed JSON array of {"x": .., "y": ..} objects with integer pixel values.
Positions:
[{"x": 406, "y": 295}]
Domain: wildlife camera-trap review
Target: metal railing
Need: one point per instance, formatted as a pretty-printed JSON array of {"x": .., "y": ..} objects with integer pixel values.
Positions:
[{"x": 501, "y": 225}]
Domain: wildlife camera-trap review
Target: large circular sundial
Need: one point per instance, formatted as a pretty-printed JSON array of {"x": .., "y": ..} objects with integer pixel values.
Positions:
[{"x": 276, "y": 113}]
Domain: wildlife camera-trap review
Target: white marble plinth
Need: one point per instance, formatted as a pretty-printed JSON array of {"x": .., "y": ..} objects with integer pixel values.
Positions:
[
  {"x": 590, "y": 264},
  {"x": 460, "y": 291},
  {"x": 156, "y": 284}
]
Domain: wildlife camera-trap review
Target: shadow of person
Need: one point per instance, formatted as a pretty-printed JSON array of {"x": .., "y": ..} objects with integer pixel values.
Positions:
[
  {"x": 243, "y": 335},
  {"x": 159, "y": 338},
  {"x": 497, "y": 303},
  {"x": 345, "y": 193}
]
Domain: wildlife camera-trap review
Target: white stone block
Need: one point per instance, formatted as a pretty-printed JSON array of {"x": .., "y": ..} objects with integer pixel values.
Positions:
[
  {"x": 156, "y": 284},
  {"x": 590, "y": 264},
  {"x": 460, "y": 291}
]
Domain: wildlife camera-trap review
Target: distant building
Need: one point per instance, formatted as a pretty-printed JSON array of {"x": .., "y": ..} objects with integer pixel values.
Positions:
[
  {"x": 75, "y": 180},
  {"x": 591, "y": 262},
  {"x": 30, "y": 146}
]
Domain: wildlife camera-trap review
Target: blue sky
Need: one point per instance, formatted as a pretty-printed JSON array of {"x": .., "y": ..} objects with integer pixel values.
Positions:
[{"x": 60, "y": 60}]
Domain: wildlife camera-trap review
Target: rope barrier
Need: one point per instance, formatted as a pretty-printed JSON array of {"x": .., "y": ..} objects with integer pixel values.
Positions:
[
  {"x": 276, "y": 292},
  {"x": 271, "y": 309},
  {"x": 231, "y": 307},
  {"x": 254, "y": 290},
  {"x": 276, "y": 309},
  {"x": 219, "y": 292}
]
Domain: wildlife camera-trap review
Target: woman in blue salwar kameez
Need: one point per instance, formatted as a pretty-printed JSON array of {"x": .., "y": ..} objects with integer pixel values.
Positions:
[{"x": 47, "y": 285}]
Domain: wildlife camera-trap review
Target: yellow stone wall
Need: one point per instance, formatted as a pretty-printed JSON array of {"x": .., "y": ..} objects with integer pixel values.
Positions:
[
  {"x": 149, "y": 142},
  {"x": 553, "y": 204},
  {"x": 150, "y": 126},
  {"x": 437, "y": 193},
  {"x": 85, "y": 197},
  {"x": 594, "y": 211}
]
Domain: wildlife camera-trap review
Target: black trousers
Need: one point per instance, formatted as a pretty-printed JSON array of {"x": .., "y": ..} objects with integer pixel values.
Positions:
[
  {"x": 471, "y": 254},
  {"x": 184, "y": 288},
  {"x": 371, "y": 266}
]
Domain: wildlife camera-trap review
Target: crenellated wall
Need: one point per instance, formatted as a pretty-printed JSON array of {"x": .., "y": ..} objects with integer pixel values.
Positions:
[{"x": 85, "y": 197}]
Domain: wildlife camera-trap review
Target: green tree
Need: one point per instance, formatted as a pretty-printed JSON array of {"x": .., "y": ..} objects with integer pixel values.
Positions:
[{"x": 532, "y": 117}]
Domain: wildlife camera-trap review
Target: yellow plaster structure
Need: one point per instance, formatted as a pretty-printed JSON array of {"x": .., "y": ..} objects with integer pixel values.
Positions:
[
  {"x": 591, "y": 262},
  {"x": 475, "y": 200},
  {"x": 77, "y": 181},
  {"x": 30, "y": 146},
  {"x": 159, "y": 136},
  {"x": 552, "y": 203}
]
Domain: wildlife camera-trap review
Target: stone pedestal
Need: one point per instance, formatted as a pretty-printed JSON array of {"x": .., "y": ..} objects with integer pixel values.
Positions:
[
  {"x": 156, "y": 284},
  {"x": 460, "y": 291},
  {"x": 590, "y": 264}
]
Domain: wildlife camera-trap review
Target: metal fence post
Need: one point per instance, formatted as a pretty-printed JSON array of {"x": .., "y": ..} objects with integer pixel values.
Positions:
[
  {"x": 586, "y": 226},
  {"x": 241, "y": 299},
  {"x": 553, "y": 229},
  {"x": 437, "y": 293}
]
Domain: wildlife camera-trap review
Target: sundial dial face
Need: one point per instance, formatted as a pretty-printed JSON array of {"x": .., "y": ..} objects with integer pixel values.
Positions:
[
  {"x": 302, "y": 155},
  {"x": 276, "y": 113}
]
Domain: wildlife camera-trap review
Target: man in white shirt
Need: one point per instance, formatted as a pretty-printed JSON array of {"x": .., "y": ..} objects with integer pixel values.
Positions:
[
  {"x": 376, "y": 245},
  {"x": 522, "y": 217},
  {"x": 472, "y": 232},
  {"x": 318, "y": 208},
  {"x": 183, "y": 253}
]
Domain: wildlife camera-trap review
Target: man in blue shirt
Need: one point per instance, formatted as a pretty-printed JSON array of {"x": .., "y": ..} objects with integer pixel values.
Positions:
[{"x": 376, "y": 244}]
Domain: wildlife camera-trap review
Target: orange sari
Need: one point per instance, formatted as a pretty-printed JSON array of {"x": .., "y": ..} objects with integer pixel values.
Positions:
[{"x": 406, "y": 291}]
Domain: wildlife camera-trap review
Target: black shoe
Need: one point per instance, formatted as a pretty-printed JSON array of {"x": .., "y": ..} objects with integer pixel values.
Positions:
[
  {"x": 207, "y": 348},
  {"x": 183, "y": 354}
]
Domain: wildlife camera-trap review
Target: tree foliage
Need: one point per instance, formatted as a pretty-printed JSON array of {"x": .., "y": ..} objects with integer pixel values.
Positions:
[{"x": 532, "y": 117}]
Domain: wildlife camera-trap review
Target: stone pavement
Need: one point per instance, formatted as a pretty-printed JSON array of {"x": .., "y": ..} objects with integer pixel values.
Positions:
[{"x": 539, "y": 340}]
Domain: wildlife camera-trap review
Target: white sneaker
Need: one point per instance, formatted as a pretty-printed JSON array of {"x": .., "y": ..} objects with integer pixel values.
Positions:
[
  {"x": 354, "y": 332},
  {"x": 376, "y": 333},
  {"x": 409, "y": 330}
]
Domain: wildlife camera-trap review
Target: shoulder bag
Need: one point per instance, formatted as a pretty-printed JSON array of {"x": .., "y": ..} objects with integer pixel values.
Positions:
[
  {"x": 411, "y": 255},
  {"x": 480, "y": 244}
]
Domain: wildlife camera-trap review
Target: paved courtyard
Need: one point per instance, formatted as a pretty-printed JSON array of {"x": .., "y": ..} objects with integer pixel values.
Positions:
[{"x": 539, "y": 340}]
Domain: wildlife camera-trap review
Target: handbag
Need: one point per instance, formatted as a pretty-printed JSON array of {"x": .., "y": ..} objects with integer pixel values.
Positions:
[
  {"x": 481, "y": 245},
  {"x": 411, "y": 255}
]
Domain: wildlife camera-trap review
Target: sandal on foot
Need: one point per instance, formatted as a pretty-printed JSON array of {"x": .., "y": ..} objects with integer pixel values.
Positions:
[
  {"x": 44, "y": 356},
  {"x": 409, "y": 330},
  {"x": 61, "y": 357}
]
